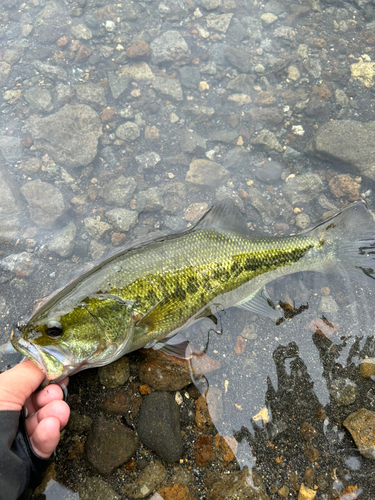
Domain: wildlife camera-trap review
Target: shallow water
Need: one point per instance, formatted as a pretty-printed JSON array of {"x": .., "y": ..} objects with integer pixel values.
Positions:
[{"x": 185, "y": 100}]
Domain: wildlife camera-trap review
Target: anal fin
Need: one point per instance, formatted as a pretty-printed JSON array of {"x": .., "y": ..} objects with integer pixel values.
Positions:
[{"x": 261, "y": 303}]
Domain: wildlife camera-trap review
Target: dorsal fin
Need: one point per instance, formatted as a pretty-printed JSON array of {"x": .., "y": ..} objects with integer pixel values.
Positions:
[{"x": 224, "y": 216}]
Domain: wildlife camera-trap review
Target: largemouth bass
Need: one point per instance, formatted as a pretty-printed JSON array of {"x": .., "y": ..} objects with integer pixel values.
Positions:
[{"x": 146, "y": 294}]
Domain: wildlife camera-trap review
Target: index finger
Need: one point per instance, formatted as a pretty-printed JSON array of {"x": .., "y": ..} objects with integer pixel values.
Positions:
[{"x": 18, "y": 383}]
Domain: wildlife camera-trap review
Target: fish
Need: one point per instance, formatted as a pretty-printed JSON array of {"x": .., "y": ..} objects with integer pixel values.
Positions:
[{"x": 146, "y": 295}]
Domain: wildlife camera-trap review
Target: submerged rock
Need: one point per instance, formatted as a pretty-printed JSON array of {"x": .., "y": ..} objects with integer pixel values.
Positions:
[
  {"x": 170, "y": 47},
  {"x": 46, "y": 203},
  {"x": 94, "y": 487},
  {"x": 147, "y": 481},
  {"x": 361, "y": 425},
  {"x": 237, "y": 486}
]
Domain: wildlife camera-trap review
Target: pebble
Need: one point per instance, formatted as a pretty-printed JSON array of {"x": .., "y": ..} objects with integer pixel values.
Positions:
[
  {"x": 96, "y": 228},
  {"x": 293, "y": 73},
  {"x": 269, "y": 171},
  {"x": 205, "y": 173},
  {"x": 367, "y": 368},
  {"x": 150, "y": 200},
  {"x": 159, "y": 426},
  {"x": 327, "y": 303},
  {"x": 110, "y": 26},
  {"x": 170, "y": 47},
  {"x": 147, "y": 161},
  {"x": 237, "y": 486},
  {"x": 79, "y": 423},
  {"x": 81, "y": 31},
  {"x": 343, "y": 185},
  {"x": 267, "y": 140},
  {"x": 109, "y": 445},
  {"x": 305, "y": 493},
  {"x": 219, "y": 22},
  {"x": 9, "y": 202},
  {"x": 138, "y": 49},
  {"x": 175, "y": 492},
  {"x": 128, "y": 131},
  {"x": 203, "y": 450},
  {"x": 147, "y": 482},
  {"x": 343, "y": 391},
  {"x": 96, "y": 250},
  {"x": 11, "y": 148},
  {"x": 361, "y": 425},
  {"x": 192, "y": 143},
  {"x": 95, "y": 487},
  {"x": 303, "y": 188},
  {"x": 119, "y": 191},
  {"x": 39, "y": 99},
  {"x": 64, "y": 240},
  {"x": 115, "y": 374},
  {"x": 46, "y": 203},
  {"x": 91, "y": 94},
  {"x": 122, "y": 219},
  {"x": 268, "y": 18},
  {"x": 302, "y": 221}
]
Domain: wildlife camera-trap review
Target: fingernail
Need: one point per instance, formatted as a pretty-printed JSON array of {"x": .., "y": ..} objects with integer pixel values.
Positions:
[{"x": 25, "y": 412}]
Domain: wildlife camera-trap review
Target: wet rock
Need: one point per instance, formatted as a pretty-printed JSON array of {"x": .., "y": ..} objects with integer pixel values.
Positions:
[
  {"x": 96, "y": 228},
  {"x": 226, "y": 136},
  {"x": 168, "y": 87},
  {"x": 147, "y": 161},
  {"x": 122, "y": 403},
  {"x": 81, "y": 31},
  {"x": 242, "y": 83},
  {"x": 303, "y": 188},
  {"x": 225, "y": 193},
  {"x": 46, "y": 203},
  {"x": 118, "y": 84},
  {"x": 79, "y": 423},
  {"x": 109, "y": 445},
  {"x": 367, "y": 368},
  {"x": 91, "y": 94},
  {"x": 69, "y": 136},
  {"x": 140, "y": 48},
  {"x": 264, "y": 99},
  {"x": 51, "y": 22},
  {"x": 219, "y": 22},
  {"x": 114, "y": 374},
  {"x": 50, "y": 71},
  {"x": 148, "y": 481},
  {"x": 343, "y": 185},
  {"x": 96, "y": 250},
  {"x": 205, "y": 173},
  {"x": 240, "y": 59},
  {"x": 39, "y": 99},
  {"x": 64, "y": 240},
  {"x": 328, "y": 304},
  {"x": 270, "y": 171},
  {"x": 267, "y": 115},
  {"x": 264, "y": 207},
  {"x": 343, "y": 391},
  {"x": 175, "y": 492},
  {"x": 9, "y": 202},
  {"x": 128, "y": 131},
  {"x": 267, "y": 140},
  {"x": 302, "y": 221},
  {"x": 190, "y": 77},
  {"x": 308, "y": 432},
  {"x": 364, "y": 72},
  {"x": 150, "y": 200},
  {"x": 119, "y": 191},
  {"x": 5, "y": 69},
  {"x": 237, "y": 158},
  {"x": 159, "y": 426},
  {"x": 236, "y": 486},
  {"x": 341, "y": 98},
  {"x": 192, "y": 143},
  {"x": 348, "y": 143},
  {"x": 210, "y": 4},
  {"x": 306, "y": 493},
  {"x": 94, "y": 487},
  {"x": 122, "y": 219},
  {"x": 170, "y": 47},
  {"x": 312, "y": 453},
  {"x": 203, "y": 451},
  {"x": 268, "y": 18},
  {"x": 361, "y": 425},
  {"x": 163, "y": 372},
  {"x": 64, "y": 92},
  {"x": 137, "y": 71},
  {"x": 11, "y": 148}
]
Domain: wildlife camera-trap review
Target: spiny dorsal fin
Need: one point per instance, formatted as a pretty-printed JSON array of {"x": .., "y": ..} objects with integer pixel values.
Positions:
[{"x": 224, "y": 216}]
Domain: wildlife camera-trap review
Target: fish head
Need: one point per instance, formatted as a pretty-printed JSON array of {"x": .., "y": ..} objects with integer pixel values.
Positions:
[{"x": 62, "y": 344}]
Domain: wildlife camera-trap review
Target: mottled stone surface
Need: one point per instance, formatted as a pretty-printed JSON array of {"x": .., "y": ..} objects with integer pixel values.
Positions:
[
  {"x": 46, "y": 203},
  {"x": 361, "y": 425}
]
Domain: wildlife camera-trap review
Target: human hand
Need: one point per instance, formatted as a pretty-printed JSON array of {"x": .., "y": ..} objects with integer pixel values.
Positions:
[{"x": 45, "y": 412}]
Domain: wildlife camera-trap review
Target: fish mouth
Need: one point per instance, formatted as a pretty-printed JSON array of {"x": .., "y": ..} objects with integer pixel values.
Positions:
[{"x": 48, "y": 359}]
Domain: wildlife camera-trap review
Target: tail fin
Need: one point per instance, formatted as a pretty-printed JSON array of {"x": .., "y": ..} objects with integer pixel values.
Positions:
[{"x": 350, "y": 235}]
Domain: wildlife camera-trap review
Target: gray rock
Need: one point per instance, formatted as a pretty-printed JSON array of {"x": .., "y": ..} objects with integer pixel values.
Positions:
[
  {"x": 9, "y": 202},
  {"x": 91, "y": 94},
  {"x": 210, "y": 4},
  {"x": 226, "y": 136},
  {"x": 225, "y": 193},
  {"x": 50, "y": 71},
  {"x": 122, "y": 219},
  {"x": 240, "y": 59},
  {"x": 302, "y": 221},
  {"x": 109, "y": 445},
  {"x": 150, "y": 200},
  {"x": 264, "y": 207},
  {"x": 254, "y": 27},
  {"x": 39, "y": 99},
  {"x": 69, "y": 136},
  {"x": 119, "y": 191},
  {"x": 81, "y": 31},
  {"x": 147, "y": 161},
  {"x": 4, "y": 72},
  {"x": 94, "y": 487},
  {"x": 159, "y": 425},
  {"x": 219, "y": 22},
  {"x": 96, "y": 228},
  {"x": 341, "y": 98},
  {"x": 190, "y": 77},
  {"x": 313, "y": 67},
  {"x": 9, "y": 226},
  {"x": 11, "y": 148},
  {"x": 64, "y": 92},
  {"x": 170, "y": 47},
  {"x": 128, "y": 131},
  {"x": 11, "y": 56},
  {"x": 64, "y": 240},
  {"x": 147, "y": 482},
  {"x": 115, "y": 374},
  {"x": 267, "y": 140},
  {"x": 237, "y": 158},
  {"x": 118, "y": 84},
  {"x": 46, "y": 203},
  {"x": 169, "y": 87},
  {"x": 269, "y": 172},
  {"x": 343, "y": 391},
  {"x": 79, "y": 423},
  {"x": 192, "y": 143},
  {"x": 348, "y": 143},
  {"x": 303, "y": 188},
  {"x": 96, "y": 250},
  {"x": 205, "y": 173},
  {"x": 291, "y": 154},
  {"x": 242, "y": 83}
]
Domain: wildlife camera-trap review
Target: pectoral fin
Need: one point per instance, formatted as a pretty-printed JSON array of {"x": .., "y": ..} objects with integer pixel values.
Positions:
[
  {"x": 261, "y": 303},
  {"x": 162, "y": 314},
  {"x": 173, "y": 346}
]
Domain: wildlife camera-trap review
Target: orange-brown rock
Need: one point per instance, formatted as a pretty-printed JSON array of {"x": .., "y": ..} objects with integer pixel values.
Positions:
[
  {"x": 203, "y": 452},
  {"x": 175, "y": 492},
  {"x": 138, "y": 49},
  {"x": 202, "y": 415},
  {"x": 343, "y": 185}
]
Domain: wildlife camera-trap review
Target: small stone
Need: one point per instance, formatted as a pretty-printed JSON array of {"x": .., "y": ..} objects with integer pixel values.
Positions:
[
  {"x": 239, "y": 99},
  {"x": 362, "y": 71},
  {"x": 302, "y": 221},
  {"x": 128, "y": 131},
  {"x": 239, "y": 486},
  {"x": 293, "y": 73},
  {"x": 308, "y": 432},
  {"x": 123, "y": 402},
  {"x": 95, "y": 487},
  {"x": 240, "y": 346},
  {"x": 89, "y": 93},
  {"x": 168, "y": 87},
  {"x": 361, "y": 425},
  {"x": 150, "y": 200},
  {"x": 148, "y": 481},
  {"x": 79, "y": 423},
  {"x": 202, "y": 414},
  {"x": 46, "y": 203},
  {"x": 343, "y": 391},
  {"x": 82, "y": 32},
  {"x": 122, "y": 219},
  {"x": 138, "y": 49},
  {"x": 159, "y": 425},
  {"x": 367, "y": 368},
  {"x": 306, "y": 493},
  {"x": 203, "y": 452},
  {"x": 268, "y": 140},
  {"x": 115, "y": 374},
  {"x": 264, "y": 99},
  {"x": 175, "y": 492},
  {"x": 109, "y": 445},
  {"x": 119, "y": 191},
  {"x": 205, "y": 173},
  {"x": 328, "y": 304},
  {"x": 96, "y": 250},
  {"x": 96, "y": 228},
  {"x": 170, "y": 47},
  {"x": 110, "y": 26},
  {"x": 312, "y": 453},
  {"x": 64, "y": 240},
  {"x": 343, "y": 185},
  {"x": 151, "y": 133},
  {"x": 195, "y": 211},
  {"x": 11, "y": 148},
  {"x": 5, "y": 69},
  {"x": 219, "y": 22},
  {"x": 303, "y": 188},
  {"x": 118, "y": 239},
  {"x": 268, "y": 18}
]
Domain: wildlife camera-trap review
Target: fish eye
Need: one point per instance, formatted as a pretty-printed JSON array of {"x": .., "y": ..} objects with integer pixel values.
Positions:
[{"x": 54, "y": 329}]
